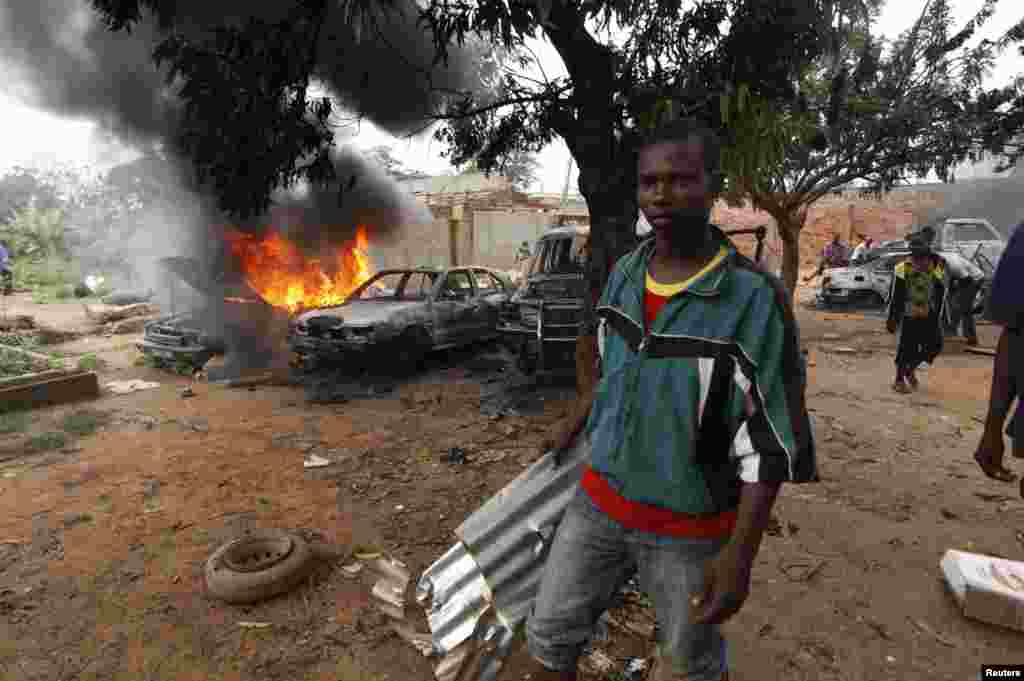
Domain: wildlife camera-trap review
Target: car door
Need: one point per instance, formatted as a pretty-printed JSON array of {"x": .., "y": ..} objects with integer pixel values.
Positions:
[
  {"x": 490, "y": 296},
  {"x": 454, "y": 308}
]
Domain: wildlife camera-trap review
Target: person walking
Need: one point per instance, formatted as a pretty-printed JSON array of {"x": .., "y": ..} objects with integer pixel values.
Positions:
[
  {"x": 6, "y": 270},
  {"x": 697, "y": 418},
  {"x": 835, "y": 254},
  {"x": 965, "y": 281},
  {"x": 915, "y": 309},
  {"x": 862, "y": 248},
  {"x": 1006, "y": 308}
]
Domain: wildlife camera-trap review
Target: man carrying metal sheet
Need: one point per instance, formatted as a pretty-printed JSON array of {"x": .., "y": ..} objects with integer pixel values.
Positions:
[{"x": 696, "y": 420}]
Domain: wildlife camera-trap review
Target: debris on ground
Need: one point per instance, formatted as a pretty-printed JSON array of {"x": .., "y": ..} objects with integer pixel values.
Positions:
[
  {"x": 454, "y": 455},
  {"x": 352, "y": 570},
  {"x": 255, "y": 625},
  {"x": 598, "y": 663},
  {"x": 127, "y": 326},
  {"x": 988, "y": 589},
  {"x": 315, "y": 461},
  {"x": 126, "y": 387},
  {"x": 389, "y": 591},
  {"x": 636, "y": 669},
  {"x": 19, "y": 322},
  {"x": 106, "y": 314},
  {"x": 124, "y": 298}
]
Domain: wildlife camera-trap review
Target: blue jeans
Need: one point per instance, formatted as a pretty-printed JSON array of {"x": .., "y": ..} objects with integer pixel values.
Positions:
[{"x": 589, "y": 562}]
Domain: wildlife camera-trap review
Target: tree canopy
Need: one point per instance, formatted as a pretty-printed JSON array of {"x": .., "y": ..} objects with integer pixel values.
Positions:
[
  {"x": 878, "y": 114},
  {"x": 799, "y": 89}
]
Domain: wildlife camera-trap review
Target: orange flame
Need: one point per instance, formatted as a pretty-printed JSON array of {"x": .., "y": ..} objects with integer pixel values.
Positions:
[{"x": 282, "y": 275}]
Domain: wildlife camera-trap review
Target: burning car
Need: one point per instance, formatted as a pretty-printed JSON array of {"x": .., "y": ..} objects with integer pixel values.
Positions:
[
  {"x": 405, "y": 313},
  {"x": 231, "y": 315}
]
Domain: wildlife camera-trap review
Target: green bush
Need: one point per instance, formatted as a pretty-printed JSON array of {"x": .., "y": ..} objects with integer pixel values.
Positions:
[
  {"x": 89, "y": 362},
  {"x": 84, "y": 422},
  {"x": 45, "y": 442},
  {"x": 14, "y": 363},
  {"x": 14, "y": 422}
]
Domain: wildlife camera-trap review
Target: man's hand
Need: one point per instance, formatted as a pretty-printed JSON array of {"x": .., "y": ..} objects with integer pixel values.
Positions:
[
  {"x": 726, "y": 585},
  {"x": 891, "y": 325}
]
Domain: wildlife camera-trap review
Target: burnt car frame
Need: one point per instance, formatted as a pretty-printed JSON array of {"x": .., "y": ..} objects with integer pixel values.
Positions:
[
  {"x": 230, "y": 314},
  {"x": 541, "y": 322},
  {"x": 403, "y": 314}
]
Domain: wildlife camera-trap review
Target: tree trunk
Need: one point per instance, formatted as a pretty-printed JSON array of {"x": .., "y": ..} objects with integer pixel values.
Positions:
[{"x": 790, "y": 223}]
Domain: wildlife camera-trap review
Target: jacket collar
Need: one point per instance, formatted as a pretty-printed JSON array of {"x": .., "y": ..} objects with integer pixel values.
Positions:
[{"x": 707, "y": 286}]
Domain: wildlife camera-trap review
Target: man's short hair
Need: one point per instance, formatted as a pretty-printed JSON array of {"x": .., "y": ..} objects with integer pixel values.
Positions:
[{"x": 684, "y": 130}]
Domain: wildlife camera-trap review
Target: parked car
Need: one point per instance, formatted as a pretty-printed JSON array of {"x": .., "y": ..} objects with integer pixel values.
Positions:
[
  {"x": 869, "y": 283},
  {"x": 224, "y": 313},
  {"x": 541, "y": 322},
  {"x": 969, "y": 237},
  {"x": 405, "y": 313},
  {"x": 180, "y": 339}
]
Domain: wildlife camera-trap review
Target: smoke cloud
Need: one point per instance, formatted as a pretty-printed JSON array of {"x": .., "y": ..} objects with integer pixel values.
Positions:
[{"x": 70, "y": 64}]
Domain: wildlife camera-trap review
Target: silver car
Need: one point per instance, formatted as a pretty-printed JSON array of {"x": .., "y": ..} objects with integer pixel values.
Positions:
[
  {"x": 871, "y": 282},
  {"x": 403, "y": 314}
]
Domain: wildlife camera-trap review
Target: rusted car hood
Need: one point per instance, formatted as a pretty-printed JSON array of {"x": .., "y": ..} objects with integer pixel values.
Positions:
[{"x": 367, "y": 312}]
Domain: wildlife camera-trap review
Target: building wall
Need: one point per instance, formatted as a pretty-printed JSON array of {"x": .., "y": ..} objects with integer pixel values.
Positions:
[{"x": 498, "y": 235}]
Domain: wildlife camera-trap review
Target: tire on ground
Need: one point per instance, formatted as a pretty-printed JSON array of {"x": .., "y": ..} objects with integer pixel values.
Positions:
[{"x": 227, "y": 583}]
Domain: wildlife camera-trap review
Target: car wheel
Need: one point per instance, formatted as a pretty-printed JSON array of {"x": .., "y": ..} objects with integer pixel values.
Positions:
[{"x": 258, "y": 566}]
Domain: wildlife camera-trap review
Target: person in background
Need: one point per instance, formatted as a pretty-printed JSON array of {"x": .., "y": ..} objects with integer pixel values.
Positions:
[
  {"x": 965, "y": 281},
  {"x": 1006, "y": 308},
  {"x": 698, "y": 417},
  {"x": 835, "y": 254},
  {"x": 865, "y": 245},
  {"x": 6, "y": 272},
  {"x": 915, "y": 310}
]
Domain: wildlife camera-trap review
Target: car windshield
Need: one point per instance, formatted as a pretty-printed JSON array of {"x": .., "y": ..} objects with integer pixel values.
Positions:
[
  {"x": 391, "y": 286},
  {"x": 560, "y": 255}
]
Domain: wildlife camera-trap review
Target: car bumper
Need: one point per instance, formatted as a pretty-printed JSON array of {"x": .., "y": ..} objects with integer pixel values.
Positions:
[
  {"x": 304, "y": 345},
  {"x": 172, "y": 352}
]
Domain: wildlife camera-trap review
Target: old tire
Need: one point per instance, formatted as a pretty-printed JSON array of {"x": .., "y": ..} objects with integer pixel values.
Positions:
[{"x": 258, "y": 566}]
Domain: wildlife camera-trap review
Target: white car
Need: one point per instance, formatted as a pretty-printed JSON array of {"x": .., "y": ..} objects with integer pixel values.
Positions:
[{"x": 870, "y": 282}]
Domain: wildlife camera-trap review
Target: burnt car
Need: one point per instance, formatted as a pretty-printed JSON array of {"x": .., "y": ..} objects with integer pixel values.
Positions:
[
  {"x": 225, "y": 313},
  {"x": 180, "y": 338},
  {"x": 402, "y": 314},
  {"x": 542, "y": 319},
  {"x": 541, "y": 322}
]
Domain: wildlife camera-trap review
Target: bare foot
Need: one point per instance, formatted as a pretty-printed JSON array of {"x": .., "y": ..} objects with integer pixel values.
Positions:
[
  {"x": 901, "y": 387},
  {"x": 912, "y": 380}
]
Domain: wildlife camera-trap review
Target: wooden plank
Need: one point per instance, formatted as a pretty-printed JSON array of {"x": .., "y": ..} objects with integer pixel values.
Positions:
[
  {"x": 36, "y": 377},
  {"x": 60, "y": 390}
]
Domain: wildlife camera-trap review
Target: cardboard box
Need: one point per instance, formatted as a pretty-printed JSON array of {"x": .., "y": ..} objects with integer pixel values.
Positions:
[{"x": 988, "y": 589}]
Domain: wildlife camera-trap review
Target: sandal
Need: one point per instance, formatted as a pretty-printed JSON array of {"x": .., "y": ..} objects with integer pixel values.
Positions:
[
  {"x": 901, "y": 387},
  {"x": 1000, "y": 473}
]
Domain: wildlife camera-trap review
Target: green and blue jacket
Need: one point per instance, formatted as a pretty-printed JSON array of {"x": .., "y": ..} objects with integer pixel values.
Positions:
[{"x": 710, "y": 397}]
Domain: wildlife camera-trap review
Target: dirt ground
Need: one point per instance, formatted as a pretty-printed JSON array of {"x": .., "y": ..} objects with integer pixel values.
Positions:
[{"x": 102, "y": 541}]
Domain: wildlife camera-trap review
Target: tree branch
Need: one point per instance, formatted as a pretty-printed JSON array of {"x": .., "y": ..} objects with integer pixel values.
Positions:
[{"x": 551, "y": 97}]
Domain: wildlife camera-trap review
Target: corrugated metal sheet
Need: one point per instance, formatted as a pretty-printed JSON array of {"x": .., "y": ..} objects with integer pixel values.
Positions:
[
  {"x": 509, "y": 536},
  {"x": 498, "y": 563}
]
